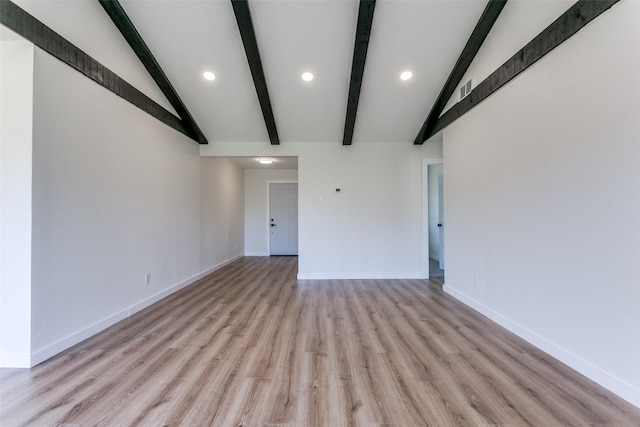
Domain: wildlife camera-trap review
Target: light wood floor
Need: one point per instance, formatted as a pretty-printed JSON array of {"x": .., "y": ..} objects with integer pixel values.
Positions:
[{"x": 249, "y": 345}]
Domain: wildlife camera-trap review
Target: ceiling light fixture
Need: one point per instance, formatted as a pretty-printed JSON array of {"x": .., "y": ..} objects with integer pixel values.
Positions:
[
  {"x": 307, "y": 77},
  {"x": 209, "y": 75},
  {"x": 265, "y": 161},
  {"x": 406, "y": 75}
]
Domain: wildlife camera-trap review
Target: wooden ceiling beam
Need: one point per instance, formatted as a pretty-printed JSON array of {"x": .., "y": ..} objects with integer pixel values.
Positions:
[
  {"x": 248, "y": 35},
  {"x": 361, "y": 45},
  {"x": 30, "y": 28},
  {"x": 479, "y": 34},
  {"x": 132, "y": 36},
  {"x": 568, "y": 24}
]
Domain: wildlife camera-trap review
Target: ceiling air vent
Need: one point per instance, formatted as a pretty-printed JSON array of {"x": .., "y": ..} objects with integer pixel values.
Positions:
[{"x": 465, "y": 89}]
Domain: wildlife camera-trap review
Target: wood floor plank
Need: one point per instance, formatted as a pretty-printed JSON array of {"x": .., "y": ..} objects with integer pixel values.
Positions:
[
  {"x": 369, "y": 379},
  {"x": 313, "y": 408},
  {"x": 247, "y": 405},
  {"x": 131, "y": 399},
  {"x": 341, "y": 361},
  {"x": 287, "y": 376},
  {"x": 407, "y": 405},
  {"x": 317, "y": 320},
  {"x": 250, "y": 345},
  {"x": 345, "y": 404},
  {"x": 201, "y": 398}
]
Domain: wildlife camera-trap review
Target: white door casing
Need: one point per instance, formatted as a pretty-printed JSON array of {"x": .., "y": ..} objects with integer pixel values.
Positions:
[
  {"x": 425, "y": 212},
  {"x": 441, "y": 218}
]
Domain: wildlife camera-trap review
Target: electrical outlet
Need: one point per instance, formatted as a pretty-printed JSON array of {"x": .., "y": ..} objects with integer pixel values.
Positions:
[{"x": 147, "y": 278}]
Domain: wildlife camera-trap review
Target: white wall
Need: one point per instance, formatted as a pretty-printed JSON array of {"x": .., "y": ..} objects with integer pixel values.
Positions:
[
  {"x": 116, "y": 195},
  {"x": 16, "y": 102},
  {"x": 519, "y": 22},
  {"x": 542, "y": 203},
  {"x": 256, "y": 202},
  {"x": 84, "y": 24},
  {"x": 374, "y": 228},
  {"x": 222, "y": 210}
]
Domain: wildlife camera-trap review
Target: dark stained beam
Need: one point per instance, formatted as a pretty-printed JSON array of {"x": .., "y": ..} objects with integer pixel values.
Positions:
[
  {"x": 479, "y": 34},
  {"x": 569, "y": 23},
  {"x": 22, "y": 23},
  {"x": 245, "y": 25},
  {"x": 363, "y": 33},
  {"x": 128, "y": 30}
]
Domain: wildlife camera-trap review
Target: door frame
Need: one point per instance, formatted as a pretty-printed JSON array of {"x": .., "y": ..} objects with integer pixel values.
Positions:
[
  {"x": 425, "y": 211},
  {"x": 268, "y": 213}
]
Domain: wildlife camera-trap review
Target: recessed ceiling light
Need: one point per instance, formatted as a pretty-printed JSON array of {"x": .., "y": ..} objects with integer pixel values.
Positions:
[
  {"x": 406, "y": 75},
  {"x": 209, "y": 75},
  {"x": 265, "y": 161},
  {"x": 307, "y": 77}
]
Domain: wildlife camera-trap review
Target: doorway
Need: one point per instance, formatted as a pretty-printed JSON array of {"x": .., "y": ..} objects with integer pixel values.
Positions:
[
  {"x": 433, "y": 181},
  {"x": 283, "y": 219}
]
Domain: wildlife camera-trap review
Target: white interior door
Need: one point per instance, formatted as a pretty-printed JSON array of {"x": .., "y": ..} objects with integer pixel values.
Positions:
[
  {"x": 441, "y": 218},
  {"x": 283, "y": 219}
]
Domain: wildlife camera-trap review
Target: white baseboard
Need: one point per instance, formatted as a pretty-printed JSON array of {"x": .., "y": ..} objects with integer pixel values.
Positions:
[
  {"x": 256, "y": 254},
  {"x": 11, "y": 360},
  {"x": 593, "y": 372},
  {"x": 360, "y": 276},
  {"x": 51, "y": 350},
  {"x": 70, "y": 340},
  {"x": 175, "y": 288}
]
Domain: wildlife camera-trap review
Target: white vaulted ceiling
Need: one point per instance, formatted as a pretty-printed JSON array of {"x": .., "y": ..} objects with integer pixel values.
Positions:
[
  {"x": 188, "y": 37},
  {"x": 301, "y": 36},
  {"x": 424, "y": 37}
]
